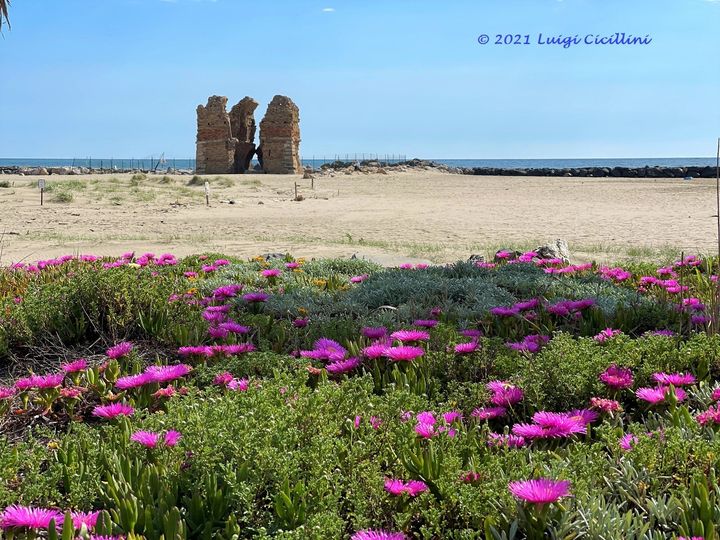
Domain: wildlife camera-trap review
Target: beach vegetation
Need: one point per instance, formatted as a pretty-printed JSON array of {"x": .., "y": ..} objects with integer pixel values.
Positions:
[{"x": 151, "y": 396}]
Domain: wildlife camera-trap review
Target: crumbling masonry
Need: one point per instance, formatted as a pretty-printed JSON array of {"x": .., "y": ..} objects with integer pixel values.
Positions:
[{"x": 226, "y": 142}]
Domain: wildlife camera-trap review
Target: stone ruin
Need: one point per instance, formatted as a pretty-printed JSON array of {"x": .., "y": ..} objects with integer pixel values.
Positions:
[
  {"x": 215, "y": 151},
  {"x": 242, "y": 124},
  {"x": 280, "y": 138},
  {"x": 226, "y": 142}
]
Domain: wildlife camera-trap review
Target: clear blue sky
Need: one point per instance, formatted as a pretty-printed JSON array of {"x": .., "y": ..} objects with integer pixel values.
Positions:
[{"x": 122, "y": 78}]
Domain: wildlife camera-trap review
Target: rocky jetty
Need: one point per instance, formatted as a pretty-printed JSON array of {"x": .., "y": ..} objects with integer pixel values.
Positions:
[{"x": 370, "y": 167}]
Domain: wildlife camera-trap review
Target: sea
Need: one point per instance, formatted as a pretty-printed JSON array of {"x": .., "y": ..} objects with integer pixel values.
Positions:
[{"x": 189, "y": 164}]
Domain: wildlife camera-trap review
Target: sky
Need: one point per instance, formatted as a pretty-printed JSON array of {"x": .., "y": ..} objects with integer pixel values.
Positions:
[{"x": 122, "y": 78}]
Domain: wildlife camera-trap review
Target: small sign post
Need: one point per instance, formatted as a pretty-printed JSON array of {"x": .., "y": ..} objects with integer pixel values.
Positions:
[
  {"x": 207, "y": 193},
  {"x": 41, "y": 185}
]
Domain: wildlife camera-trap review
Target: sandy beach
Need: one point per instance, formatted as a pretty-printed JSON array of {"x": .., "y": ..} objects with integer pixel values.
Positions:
[{"x": 402, "y": 216}]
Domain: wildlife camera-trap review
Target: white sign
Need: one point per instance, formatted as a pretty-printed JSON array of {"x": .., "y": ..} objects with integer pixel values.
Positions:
[
  {"x": 207, "y": 188},
  {"x": 41, "y": 184}
]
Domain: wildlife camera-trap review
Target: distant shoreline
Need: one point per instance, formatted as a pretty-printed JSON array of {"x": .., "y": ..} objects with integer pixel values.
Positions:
[{"x": 188, "y": 164}]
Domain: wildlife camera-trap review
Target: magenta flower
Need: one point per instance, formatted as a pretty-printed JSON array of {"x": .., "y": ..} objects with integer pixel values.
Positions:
[
  {"x": 300, "y": 322},
  {"x": 658, "y": 395},
  {"x": 426, "y": 323},
  {"x": 89, "y": 519},
  {"x": 214, "y": 316},
  {"x": 113, "y": 410},
  {"x": 451, "y": 416},
  {"x": 223, "y": 379},
  {"x": 41, "y": 382},
  {"x": 617, "y": 378},
  {"x": 133, "y": 381},
  {"x": 504, "y": 394},
  {"x": 500, "y": 440},
  {"x": 227, "y": 291},
  {"x": 426, "y": 431},
  {"x": 256, "y": 297},
  {"x": 148, "y": 439},
  {"x": 715, "y": 394},
  {"x": 371, "y": 332},
  {"x": 472, "y": 333},
  {"x": 167, "y": 392},
  {"x": 6, "y": 393},
  {"x": 488, "y": 413},
  {"x": 120, "y": 350},
  {"x": 217, "y": 332},
  {"x": 377, "y": 535},
  {"x": 605, "y": 405},
  {"x": 234, "y": 328},
  {"x": 549, "y": 425},
  {"x": 394, "y": 486},
  {"x": 426, "y": 417},
  {"x": 502, "y": 311},
  {"x": 239, "y": 385},
  {"x": 71, "y": 393},
  {"x": 164, "y": 374},
  {"x": 676, "y": 379},
  {"x": 587, "y": 416},
  {"x": 532, "y": 343},
  {"x": 375, "y": 351},
  {"x": 628, "y": 441},
  {"x": 172, "y": 437},
  {"x": 359, "y": 279},
  {"x": 343, "y": 366},
  {"x": 235, "y": 349},
  {"x": 540, "y": 491},
  {"x": 200, "y": 350},
  {"x": 527, "y": 305},
  {"x": 606, "y": 334},
  {"x": 26, "y": 517},
  {"x": 397, "y": 487},
  {"x": 404, "y": 353},
  {"x": 466, "y": 348},
  {"x": 470, "y": 477},
  {"x": 271, "y": 273},
  {"x": 292, "y": 265},
  {"x": 410, "y": 336},
  {"x": 76, "y": 365}
]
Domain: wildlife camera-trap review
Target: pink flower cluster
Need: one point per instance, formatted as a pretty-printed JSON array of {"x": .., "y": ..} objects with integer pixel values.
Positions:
[
  {"x": 210, "y": 351},
  {"x": 153, "y": 374},
  {"x": 552, "y": 425},
  {"x": 26, "y": 517},
  {"x": 226, "y": 379},
  {"x": 504, "y": 394},
  {"x": 40, "y": 382},
  {"x": 334, "y": 354},
  {"x": 410, "y": 336},
  {"x": 427, "y": 425},
  {"x": 614, "y": 274},
  {"x": 606, "y": 335},
  {"x": 413, "y": 488},
  {"x": 540, "y": 491},
  {"x": 532, "y": 343},
  {"x": 617, "y": 378},
  {"x": 570, "y": 269},
  {"x": 150, "y": 439}
]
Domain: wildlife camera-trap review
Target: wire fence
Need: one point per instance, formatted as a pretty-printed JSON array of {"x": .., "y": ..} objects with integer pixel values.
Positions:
[{"x": 151, "y": 164}]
